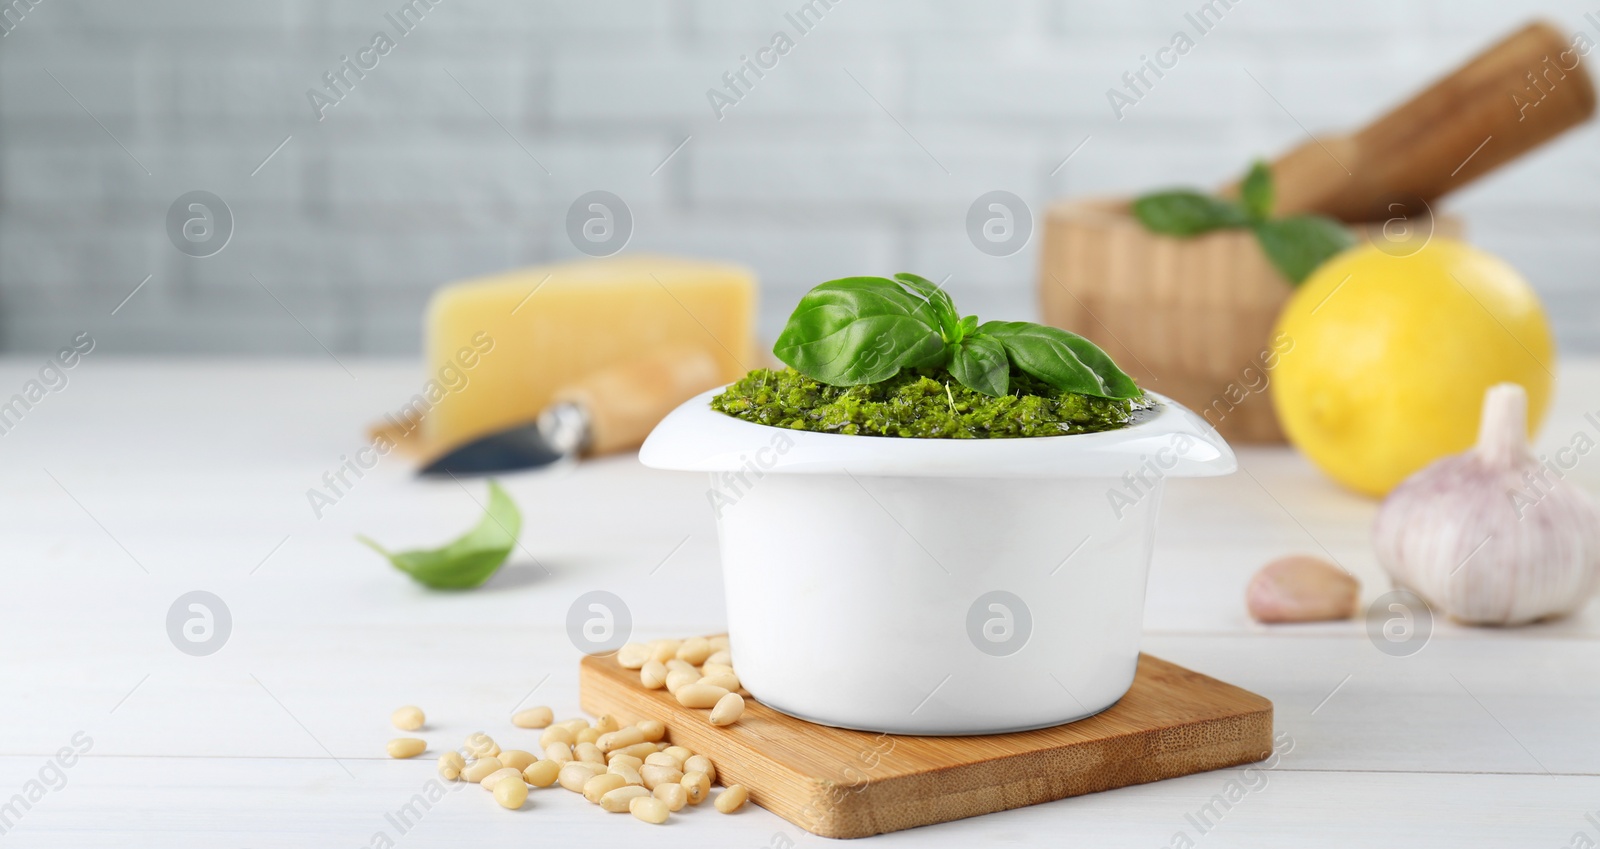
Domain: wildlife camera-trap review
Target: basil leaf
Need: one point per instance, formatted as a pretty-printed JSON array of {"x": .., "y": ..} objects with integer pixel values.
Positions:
[
  {"x": 1064, "y": 360},
  {"x": 1257, "y": 192},
  {"x": 859, "y": 330},
  {"x": 980, "y": 363},
  {"x": 969, "y": 326},
  {"x": 1187, "y": 213},
  {"x": 1298, "y": 244},
  {"x": 470, "y": 560},
  {"x": 944, "y": 309}
]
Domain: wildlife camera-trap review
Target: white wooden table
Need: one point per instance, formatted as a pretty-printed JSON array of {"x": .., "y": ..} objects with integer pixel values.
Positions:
[{"x": 145, "y": 480}]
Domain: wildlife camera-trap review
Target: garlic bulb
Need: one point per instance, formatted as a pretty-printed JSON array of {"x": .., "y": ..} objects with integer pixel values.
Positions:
[{"x": 1493, "y": 536}]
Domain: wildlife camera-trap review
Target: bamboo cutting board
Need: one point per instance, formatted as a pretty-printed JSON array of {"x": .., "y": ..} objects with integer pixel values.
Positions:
[{"x": 839, "y": 783}]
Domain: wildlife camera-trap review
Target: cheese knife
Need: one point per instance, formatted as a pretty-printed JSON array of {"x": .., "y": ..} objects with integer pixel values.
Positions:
[{"x": 612, "y": 409}]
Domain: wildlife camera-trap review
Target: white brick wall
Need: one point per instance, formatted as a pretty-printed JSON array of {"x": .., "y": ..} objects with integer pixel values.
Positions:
[{"x": 408, "y": 184}]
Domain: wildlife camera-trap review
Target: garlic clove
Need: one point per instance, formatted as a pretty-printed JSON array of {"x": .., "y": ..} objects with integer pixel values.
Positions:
[
  {"x": 1299, "y": 588},
  {"x": 1495, "y": 535}
]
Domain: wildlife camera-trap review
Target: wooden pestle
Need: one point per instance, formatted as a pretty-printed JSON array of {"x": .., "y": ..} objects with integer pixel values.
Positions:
[{"x": 1507, "y": 100}]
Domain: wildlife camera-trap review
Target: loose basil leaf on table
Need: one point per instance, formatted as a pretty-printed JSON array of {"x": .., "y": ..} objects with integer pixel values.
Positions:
[
  {"x": 1187, "y": 213},
  {"x": 1064, "y": 360},
  {"x": 859, "y": 330},
  {"x": 1257, "y": 192},
  {"x": 1298, "y": 244},
  {"x": 471, "y": 559},
  {"x": 980, "y": 363}
]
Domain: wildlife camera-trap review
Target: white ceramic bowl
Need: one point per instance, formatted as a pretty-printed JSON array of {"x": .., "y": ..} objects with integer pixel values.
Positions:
[{"x": 936, "y": 586}]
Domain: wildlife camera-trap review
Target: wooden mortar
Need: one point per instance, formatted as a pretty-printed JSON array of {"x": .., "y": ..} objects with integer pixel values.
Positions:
[{"x": 1190, "y": 318}]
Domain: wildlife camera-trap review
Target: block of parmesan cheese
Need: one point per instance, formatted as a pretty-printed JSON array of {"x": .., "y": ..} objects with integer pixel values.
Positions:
[{"x": 538, "y": 329}]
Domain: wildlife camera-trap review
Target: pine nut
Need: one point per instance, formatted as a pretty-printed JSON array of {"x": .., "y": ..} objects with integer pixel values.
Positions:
[
  {"x": 649, "y": 809},
  {"x": 617, "y": 800},
  {"x": 677, "y": 679},
  {"x": 624, "y": 760},
  {"x": 511, "y": 793},
  {"x": 570, "y": 727},
  {"x": 673, "y": 794},
  {"x": 587, "y": 735},
  {"x": 621, "y": 738},
  {"x": 499, "y": 775},
  {"x": 541, "y": 773},
  {"x": 695, "y": 650},
  {"x": 679, "y": 754},
  {"x": 577, "y": 773},
  {"x": 653, "y": 676},
  {"x": 700, "y": 695},
  {"x": 589, "y": 752},
  {"x": 517, "y": 759},
  {"x": 721, "y": 657},
  {"x": 678, "y": 664},
  {"x": 654, "y": 774},
  {"x": 557, "y": 734},
  {"x": 602, "y": 784},
  {"x": 558, "y": 752},
  {"x": 606, "y": 724},
  {"x": 639, "y": 750},
  {"x": 664, "y": 650},
  {"x": 481, "y": 745},
  {"x": 633, "y": 655},
  {"x": 663, "y": 759},
  {"x": 719, "y": 642},
  {"x": 629, "y": 773},
  {"x": 654, "y": 729},
  {"x": 450, "y": 765},
  {"x": 408, "y": 718},
  {"x": 700, "y": 763},
  {"x": 536, "y": 717},
  {"x": 480, "y": 768},
  {"x": 728, "y": 709},
  {"x": 713, "y": 669},
  {"x": 697, "y": 785},
  {"x": 732, "y": 799},
  {"x": 726, "y": 680},
  {"x": 406, "y": 747}
]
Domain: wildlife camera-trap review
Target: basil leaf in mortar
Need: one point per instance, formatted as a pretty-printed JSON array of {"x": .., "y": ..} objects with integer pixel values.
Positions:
[
  {"x": 470, "y": 560},
  {"x": 1064, "y": 360},
  {"x": 860, "y": 330},
  {"x": 1257, "y": 192},
  {"x": 980, "y": 363},
  {"x": 1187, "y": 213},
  {"x": 1298, "y": 244},
  {"x": 1295, "y": 245}
]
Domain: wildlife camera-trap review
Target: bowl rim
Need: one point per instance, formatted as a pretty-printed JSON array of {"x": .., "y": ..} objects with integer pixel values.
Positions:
[{"x": 1173, "y": 442}]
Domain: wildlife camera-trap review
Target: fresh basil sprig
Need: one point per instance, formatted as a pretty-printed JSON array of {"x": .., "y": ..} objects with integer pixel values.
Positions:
[
  {"x": 471, "y": 559},
  {"x": 1295, "y": 244},
  {"x": 861, "y": 330}
]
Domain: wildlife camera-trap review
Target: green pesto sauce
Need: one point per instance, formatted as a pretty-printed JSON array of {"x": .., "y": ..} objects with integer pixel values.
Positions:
[{"x": 920, "y": 403}]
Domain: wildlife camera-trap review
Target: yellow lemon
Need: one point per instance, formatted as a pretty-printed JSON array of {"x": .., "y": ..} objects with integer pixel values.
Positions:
[{"x": 1391, "y": 355}]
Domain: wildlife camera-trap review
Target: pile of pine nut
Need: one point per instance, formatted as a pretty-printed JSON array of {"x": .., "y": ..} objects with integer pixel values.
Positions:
[
  {"x": 618, "y": 767},
  {"x": 697, "y": 671}
]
